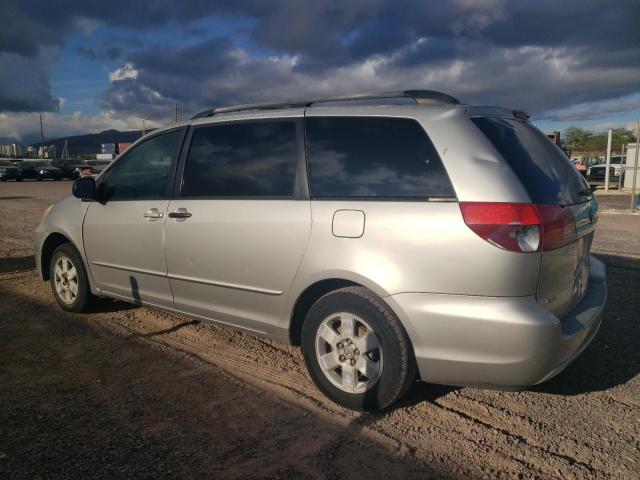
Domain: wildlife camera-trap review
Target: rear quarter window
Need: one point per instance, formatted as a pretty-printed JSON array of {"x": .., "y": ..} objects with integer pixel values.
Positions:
[
  {"x": 373, "y": 157},
  {"x": 542, "y": 168}
]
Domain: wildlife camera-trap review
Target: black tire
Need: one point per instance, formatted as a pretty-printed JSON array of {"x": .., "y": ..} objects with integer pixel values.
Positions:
[
  {"x": 18, "y": 179},
  {"x": 83, "y": 299},
  {"x": 399, "y": 366}
]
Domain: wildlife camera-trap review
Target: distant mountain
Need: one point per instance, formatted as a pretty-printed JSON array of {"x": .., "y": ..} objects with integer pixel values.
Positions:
[{"x": 90, "y": 143}]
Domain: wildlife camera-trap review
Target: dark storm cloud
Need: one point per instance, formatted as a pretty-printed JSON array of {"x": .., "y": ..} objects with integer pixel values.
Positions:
[
  {"x": 109, "y": 53},
  {"x": 540, "y": 55}
]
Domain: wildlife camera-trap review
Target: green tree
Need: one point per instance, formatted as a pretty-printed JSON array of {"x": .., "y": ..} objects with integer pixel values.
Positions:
[
  {"x": 623, "y": 135},
  {"x": 576, "y": 138}
]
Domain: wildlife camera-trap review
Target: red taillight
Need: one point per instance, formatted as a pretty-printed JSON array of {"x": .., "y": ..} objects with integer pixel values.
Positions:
[
  {"x": 559, "y": 226},
  {"x": 520, "y": 227}
]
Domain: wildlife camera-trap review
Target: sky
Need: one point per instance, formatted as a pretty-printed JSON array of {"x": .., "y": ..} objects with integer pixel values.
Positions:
[{"x": 91, "y": 65}]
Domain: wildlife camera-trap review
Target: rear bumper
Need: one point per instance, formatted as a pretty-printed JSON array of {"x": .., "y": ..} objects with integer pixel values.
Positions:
[{"x": 497, "y": 341}]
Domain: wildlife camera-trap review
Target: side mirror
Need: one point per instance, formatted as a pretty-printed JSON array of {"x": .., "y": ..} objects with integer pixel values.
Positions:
[{"x": 84, "y": 188}]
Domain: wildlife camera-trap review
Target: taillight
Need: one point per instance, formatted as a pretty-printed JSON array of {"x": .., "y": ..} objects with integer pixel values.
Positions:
[
  {"x": 559, "y": 226},
  {"x": 520, "y": 227}
]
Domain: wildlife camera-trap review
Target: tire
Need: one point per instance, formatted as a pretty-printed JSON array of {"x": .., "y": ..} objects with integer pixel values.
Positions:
[
  {"x": 18, "y": 179},
  {"x": 63, "y": 286},
  {"x": 387, "y": 358}
]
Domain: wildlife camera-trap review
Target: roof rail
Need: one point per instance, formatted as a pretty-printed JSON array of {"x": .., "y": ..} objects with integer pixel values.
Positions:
[{"x": 425, "y": 97}]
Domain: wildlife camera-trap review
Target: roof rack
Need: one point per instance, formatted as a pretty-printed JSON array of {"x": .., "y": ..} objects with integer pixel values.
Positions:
[{"x": 424, "y": 97}]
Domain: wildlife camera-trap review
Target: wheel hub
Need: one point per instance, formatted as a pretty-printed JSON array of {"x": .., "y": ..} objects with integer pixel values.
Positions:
[{"x": 349, "y": 353}]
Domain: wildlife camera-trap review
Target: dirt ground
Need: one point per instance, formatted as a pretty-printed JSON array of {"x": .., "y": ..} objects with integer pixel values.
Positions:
[{"x": 132, "y": 392}]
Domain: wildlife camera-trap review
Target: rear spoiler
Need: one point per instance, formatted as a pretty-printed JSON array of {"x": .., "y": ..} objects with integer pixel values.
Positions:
[{"x": 489, "y": 111}]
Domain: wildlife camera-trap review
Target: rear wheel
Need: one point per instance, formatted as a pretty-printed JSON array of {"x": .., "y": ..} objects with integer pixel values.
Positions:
[
  {"x": 69, "y": 280},
  {"x": 356, "y": 350}
]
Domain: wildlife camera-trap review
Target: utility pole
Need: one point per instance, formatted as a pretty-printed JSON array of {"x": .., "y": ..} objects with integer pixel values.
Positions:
[
  {"x": 606, "y": 173},
  {"x": 176, "y": 117},
  {"x": 634, "y": 200},
  {"x": 143, "y": 130},
  {"x": 41, "y": 137}
]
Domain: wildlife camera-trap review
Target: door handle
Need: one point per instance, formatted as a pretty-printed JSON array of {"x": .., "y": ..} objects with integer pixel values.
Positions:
[
  {"x": 180, "y": 213},
  {"x": 152, "y": 213}
]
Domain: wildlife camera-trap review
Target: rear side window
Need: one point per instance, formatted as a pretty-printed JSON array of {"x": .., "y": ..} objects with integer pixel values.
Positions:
[
  {"x": 373, "y": 157},
  {"x": 544, "y": 171},
  {"x": 242, "y": 160}
]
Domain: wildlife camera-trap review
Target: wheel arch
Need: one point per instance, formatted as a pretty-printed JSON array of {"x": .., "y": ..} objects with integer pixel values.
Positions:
[
  {"x": 53, "y": 241},
  {"x": 307, "y": 298}
]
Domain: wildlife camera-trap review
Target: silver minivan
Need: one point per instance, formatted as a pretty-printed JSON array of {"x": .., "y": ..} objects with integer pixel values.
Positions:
[{"x": 391, "y": 236}]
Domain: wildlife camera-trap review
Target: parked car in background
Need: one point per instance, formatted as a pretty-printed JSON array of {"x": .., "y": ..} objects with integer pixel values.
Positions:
[
  {"x": 597, "y": 173},
  {"x": 389, "y": 240},
  {"x": 46, "y": 171},
  {"x": 581, "y": 167},
  {"x": 8, "y": 171},
  {"x": 17, "y": 170},
  {"x": 96, "y": 166},
  {"x": 69, "y": 168}
]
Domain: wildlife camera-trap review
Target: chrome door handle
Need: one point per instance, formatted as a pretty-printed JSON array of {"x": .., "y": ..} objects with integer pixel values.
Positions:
[
  {"x": 180, "y": 213},
  {"x": 152, "y": 213}
]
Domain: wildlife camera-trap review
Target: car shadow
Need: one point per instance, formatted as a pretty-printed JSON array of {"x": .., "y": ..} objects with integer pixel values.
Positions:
[
  {"x": 17, "y": 264},
  {"x": 613, "y": 358}
]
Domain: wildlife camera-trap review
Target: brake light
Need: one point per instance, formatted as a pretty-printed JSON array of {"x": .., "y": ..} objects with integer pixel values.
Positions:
[
  {"x": 558, "y": 226},
  {"x": 520, "y": 227}
]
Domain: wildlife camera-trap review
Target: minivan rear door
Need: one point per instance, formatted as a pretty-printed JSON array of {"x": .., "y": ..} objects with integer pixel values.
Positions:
[{"x": 554, "y": 185}]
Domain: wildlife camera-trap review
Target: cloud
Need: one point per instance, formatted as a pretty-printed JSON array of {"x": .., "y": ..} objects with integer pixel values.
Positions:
[
  {"x": 595, "y": 110},
  {"x": 24, "y": 83},
  {"x": 535, "y": 79},
  {"x": 546, "y": 57},
  {"x": 25, "y": 127},
  {"x": 108, "y": 53}
]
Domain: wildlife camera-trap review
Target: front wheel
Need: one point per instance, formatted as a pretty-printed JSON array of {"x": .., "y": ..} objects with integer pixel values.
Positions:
[
  {"x": 356, "y": 350},
  {"x": 69, "y": 280}
]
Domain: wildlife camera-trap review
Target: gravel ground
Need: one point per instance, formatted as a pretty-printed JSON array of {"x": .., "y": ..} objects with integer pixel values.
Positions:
[{"x": 130, "y": 391}]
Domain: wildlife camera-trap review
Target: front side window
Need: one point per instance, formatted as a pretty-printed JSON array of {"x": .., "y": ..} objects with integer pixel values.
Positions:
[
  {"x": 373, "y": 157},
  {"x": 144, "y": 172},
  {"x": 242, "y": 160}
]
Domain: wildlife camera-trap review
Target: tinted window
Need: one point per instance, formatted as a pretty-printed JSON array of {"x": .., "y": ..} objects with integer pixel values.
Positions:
[
  {"x": 242, "y": 160},
  {"x": 545, "y": 172},
  {"x": 373, "y": 157},
  {"x": 144, "y": 171}
]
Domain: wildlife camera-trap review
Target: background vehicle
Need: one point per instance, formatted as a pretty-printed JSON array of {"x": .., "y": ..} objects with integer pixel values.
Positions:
[
  {"x": 358, "y": 231},
  {"x": 616, "y": 170},
  {"x": 17, "y": 170},
  {"x": 95, "y": 166},
  {"x": 69, "y": 168},
  {"x": 8, "y": 171},
  {"x": 581, "y": 167},
  {"x": 46, "y": 171}
]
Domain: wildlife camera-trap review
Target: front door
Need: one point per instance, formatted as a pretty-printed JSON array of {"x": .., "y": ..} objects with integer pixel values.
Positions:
[
  {"x": 237, "y": 232},
  {"x": 124, "y": 231}
]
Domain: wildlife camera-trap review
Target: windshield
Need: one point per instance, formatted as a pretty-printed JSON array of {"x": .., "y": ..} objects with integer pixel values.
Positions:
[{"x": 544, "y": 170}]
